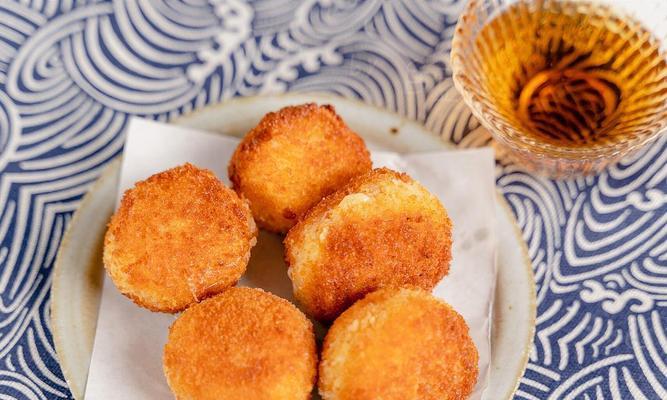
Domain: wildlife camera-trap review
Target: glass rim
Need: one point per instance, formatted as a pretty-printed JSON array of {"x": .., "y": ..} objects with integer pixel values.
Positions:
[{"x": 461, "y": 39}]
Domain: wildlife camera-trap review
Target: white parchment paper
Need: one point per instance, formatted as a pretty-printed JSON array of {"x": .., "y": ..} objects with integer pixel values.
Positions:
[{"x": 127, "y": 354}]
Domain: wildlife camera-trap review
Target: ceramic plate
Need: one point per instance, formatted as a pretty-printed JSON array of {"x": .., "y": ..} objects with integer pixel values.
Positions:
[{"x": 77, "y": 276}]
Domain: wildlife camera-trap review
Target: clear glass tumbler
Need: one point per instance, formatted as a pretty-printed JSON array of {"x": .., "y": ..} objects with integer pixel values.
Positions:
[{"x": 566, "y": 86}]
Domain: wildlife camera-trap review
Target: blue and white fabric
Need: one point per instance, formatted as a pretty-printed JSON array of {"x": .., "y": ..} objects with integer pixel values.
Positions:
[{"x": 72, "y": 72}]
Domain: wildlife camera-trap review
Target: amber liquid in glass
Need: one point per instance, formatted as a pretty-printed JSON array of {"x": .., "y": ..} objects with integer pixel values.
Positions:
[{"x": 572, "y": 75}]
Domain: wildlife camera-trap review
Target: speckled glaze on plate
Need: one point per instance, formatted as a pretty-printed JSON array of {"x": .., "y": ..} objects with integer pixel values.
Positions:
[{"x": 77, "y": 277}]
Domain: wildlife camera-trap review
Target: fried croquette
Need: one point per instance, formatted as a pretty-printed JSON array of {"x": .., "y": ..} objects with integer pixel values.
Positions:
[
  {"x": 292, "y": 159},
  {"x": 398, "y": 344},
  {"x": 241, "y": 344},
  {"x": 381, "y": 229},
  {"x": 177, "y": 237}
]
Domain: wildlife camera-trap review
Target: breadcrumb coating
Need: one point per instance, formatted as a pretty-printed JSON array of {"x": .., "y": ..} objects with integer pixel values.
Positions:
[
  {"x": 292, "y": 159},
  {"x": 398, "y": 344},
  {"x": 241, "y": 344},
  {"x": 178, "y": 237},
  {"x": 382, "y": 229}
]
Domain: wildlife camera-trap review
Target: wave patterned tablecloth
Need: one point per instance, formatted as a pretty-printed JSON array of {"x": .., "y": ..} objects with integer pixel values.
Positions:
[{"x": 71, "y": 73}]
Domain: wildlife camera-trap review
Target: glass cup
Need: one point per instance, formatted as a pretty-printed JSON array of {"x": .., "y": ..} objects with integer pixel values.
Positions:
[{"x": 565, "y": 86}]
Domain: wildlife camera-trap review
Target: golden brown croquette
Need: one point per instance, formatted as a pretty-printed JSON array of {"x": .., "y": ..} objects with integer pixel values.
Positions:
[
  {"x": 292, "y": 159},
  {"x": 381, "y": 229},
  {"x": 398, "y": 344},
  {"x": 178, "y": 237},
  {"x": 241, "y": 344}
]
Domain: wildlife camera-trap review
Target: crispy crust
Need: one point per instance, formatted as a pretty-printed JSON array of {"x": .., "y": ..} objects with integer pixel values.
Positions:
[
  {"x": 292, "y": 159},
  {"x": 398, "y": 344},
  {"x": 178, "y": 237},
  {"x": 241, "y": 344},
  {"x": 381, "y": 229}
]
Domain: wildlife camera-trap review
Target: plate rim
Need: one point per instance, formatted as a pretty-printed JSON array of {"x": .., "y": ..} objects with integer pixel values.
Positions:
[
  {"x": 532, "y": 309},
  {"x": 108, "y": 172},
  {"x": 113, "y": 168}
]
